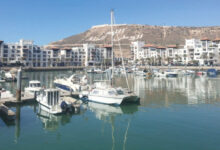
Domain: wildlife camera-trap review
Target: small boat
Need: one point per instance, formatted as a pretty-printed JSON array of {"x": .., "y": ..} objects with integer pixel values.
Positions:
[
  {"x": 212, "y": 73},
  {"x": 33, "y": 88},
  {"x": 171, "y": 73},
  {"x": 189, "y": 72},
  {"x": 161, "y": 73},
  {"x": 10, "y": 77},
  {"x": 72, "y": 84},
  {"x": 201, "y": 73},
  {"x": 51, "y": 102},
  {"x": 95, "y": 70},
  {"x": 5, "y": 94}
]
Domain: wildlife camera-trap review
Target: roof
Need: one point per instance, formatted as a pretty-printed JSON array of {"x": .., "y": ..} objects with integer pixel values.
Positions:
[
  {"x": 217, "y": 39},
  {"x": 149, "y": 45},
  {"x": 55, "y": 48},
  {"x": 205, "y": 39},
  {"x": 172, "y": 46},
  {"x": 67, "y": 48},
  {"x": 106, "y": 46},
  {"x": 161, "y": 47}
]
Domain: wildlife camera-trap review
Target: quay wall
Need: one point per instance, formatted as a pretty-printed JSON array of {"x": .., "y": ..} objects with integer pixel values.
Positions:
[
  {"x": 82, "y": 67},
  {"x": 183, "y": 67},
  {"x": 44, "y": 68}
]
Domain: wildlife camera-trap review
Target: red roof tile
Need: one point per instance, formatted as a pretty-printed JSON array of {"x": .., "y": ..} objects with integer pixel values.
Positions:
[
  {"x": 172, "y": 46},
  {"x": 205, "y": 39},
  {"x": 149, "y": 45},
  {"x": 106, "y": 46},
  {"x": 216, "y": 40}
]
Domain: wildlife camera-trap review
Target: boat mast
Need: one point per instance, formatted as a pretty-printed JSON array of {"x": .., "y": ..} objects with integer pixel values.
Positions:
[{"x": 112, "y": 37}]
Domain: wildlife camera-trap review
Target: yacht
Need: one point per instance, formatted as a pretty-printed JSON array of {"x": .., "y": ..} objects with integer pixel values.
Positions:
[
  {"x": 72, "y": 84},
  {"x": 33, "y": 88},
  {"x": 51, "y": 102},
  {"x": 104, "y": 92}
]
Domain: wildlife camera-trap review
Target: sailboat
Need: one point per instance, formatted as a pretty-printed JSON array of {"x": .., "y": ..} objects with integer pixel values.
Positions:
[{"x": 104, "y": 92}]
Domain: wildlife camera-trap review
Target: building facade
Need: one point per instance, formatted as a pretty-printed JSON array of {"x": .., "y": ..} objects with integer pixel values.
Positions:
[{"x": 195, "y": 51}]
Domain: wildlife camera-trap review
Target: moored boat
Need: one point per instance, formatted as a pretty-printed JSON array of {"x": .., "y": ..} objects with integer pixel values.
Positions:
[
  {"x": 72, "y": 84},
  {"x": 33, "y": 88},
  {"x": 50, "y": 101}
]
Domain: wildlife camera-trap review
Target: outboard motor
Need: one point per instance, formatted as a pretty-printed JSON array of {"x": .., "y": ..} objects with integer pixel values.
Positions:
[{"x": 64, "y": 106}]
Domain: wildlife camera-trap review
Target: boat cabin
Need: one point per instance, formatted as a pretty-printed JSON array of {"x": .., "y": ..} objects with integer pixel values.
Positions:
[
  {"x": 52, "y": 96},
  {"x": 34, "y": 84}
]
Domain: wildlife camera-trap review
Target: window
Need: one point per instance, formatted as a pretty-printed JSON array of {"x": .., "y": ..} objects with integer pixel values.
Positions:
[
  {"x": 95, "y": 92},
  {"x": 111, "y": 92}
]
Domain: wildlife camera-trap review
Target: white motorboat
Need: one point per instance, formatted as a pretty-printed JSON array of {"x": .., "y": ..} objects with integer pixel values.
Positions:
[
  {"x": 95, "y": 70},
  {"x": 168, "y": 73},
  {"x": 106, "y": 94},
  {"x": 5, "y": 94},
  {"x": 72, "y": 84},
  {"x": 10, "y": 77},
  {"x": 33, "y": 88},
  {"x": 50, "y": 101}
]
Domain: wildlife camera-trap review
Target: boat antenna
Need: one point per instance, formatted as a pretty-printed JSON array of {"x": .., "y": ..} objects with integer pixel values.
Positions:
[
  {"x": 123, "y": 64},
  {"x": 112, "y": 44}
]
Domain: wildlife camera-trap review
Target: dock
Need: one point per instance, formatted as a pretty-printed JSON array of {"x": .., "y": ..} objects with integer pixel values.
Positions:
[
  {"x": 12, "y": 100},
  {"x": 5, "y": 111}
]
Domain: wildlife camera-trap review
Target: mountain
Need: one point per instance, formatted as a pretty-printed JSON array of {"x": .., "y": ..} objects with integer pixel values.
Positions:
[{"x": 158, "y": 35}]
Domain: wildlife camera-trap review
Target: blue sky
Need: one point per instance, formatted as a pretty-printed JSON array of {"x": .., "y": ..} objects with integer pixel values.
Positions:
[{"x": 45, "y": 21}]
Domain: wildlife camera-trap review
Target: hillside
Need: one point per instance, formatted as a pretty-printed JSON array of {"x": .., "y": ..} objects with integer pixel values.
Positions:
[{"x": 158, "y": 35}]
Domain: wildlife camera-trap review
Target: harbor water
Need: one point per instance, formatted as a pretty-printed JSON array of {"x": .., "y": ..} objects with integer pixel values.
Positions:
[{"x": 174, "y": 113}]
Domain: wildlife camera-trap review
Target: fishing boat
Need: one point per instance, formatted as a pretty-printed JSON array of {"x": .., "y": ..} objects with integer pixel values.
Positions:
[
  {"x": 104, "y": 92},
  {"x": 51, "y": 102},
  {"x": 72, "y": 84},
  {"x": 33, "y": 88}
]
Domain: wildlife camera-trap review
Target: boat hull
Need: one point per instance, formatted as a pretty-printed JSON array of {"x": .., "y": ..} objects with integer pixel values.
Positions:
[{"x": 106, "y": 100}]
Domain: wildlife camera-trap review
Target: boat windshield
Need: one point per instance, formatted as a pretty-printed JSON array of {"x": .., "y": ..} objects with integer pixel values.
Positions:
[
  {"x": 120, "y": 91},
  {"x": 35, "y": 85},
  {"x": 111, "y": 92}
]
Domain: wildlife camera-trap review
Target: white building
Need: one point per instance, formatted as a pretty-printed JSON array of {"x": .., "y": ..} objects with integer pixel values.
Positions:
[{"x": 136, "y": 49}]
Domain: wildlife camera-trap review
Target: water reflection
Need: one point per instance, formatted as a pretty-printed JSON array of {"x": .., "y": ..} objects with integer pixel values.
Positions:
[
  {"x": 108, "y": 114},
  {"x": 52, "y": 122},
  {"x": 185, "y": 90},
  {"x": 103, "y": 112}
]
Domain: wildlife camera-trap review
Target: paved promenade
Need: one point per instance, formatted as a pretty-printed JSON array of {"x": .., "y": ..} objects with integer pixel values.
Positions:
[
  {"x": 45, "y": 68},
  {"x": 184, "y": 67}
]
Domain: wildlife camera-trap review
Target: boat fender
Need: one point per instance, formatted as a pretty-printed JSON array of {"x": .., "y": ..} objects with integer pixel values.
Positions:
[{"x": 63, "y": 105}]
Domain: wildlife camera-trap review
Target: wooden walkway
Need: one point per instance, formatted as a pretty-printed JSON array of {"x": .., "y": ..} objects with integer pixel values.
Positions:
[{"x": 12, "y": 100}]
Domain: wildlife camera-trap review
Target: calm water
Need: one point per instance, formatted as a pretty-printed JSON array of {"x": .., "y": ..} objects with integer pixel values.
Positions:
[{"x": 181, "y": 113}]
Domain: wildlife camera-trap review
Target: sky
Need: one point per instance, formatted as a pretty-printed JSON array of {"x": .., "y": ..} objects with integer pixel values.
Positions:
[{"x": 45, "y": 21}]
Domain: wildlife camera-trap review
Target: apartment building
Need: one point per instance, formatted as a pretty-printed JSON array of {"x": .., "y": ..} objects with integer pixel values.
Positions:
[{"x": 195, "y": 51}]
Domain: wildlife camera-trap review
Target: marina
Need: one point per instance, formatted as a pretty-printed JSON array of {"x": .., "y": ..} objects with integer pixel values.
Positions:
[
  {"x": 162, "y": 102},
  {"x": 76, "y": 78}
]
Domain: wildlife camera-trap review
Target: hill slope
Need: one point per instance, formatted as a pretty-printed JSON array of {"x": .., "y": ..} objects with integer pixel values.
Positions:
[{"x": 158, "y": 35}]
